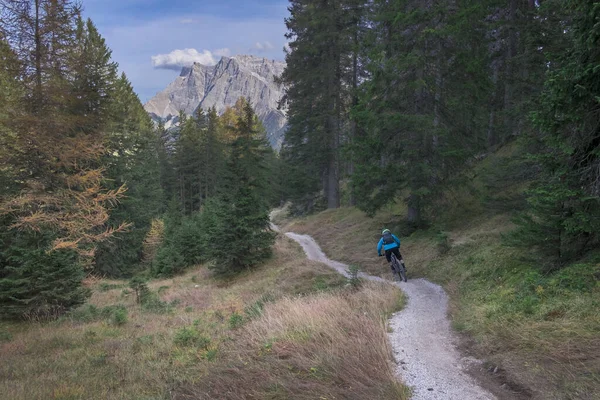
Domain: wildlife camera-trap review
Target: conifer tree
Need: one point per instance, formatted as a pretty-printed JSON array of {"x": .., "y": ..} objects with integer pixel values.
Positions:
[
  {"x": 239, "y": 227},
  {"x": 562, "y": 221},
  {"x": 58, "y": 211},
  {"x": 419, "y": 111},
  {"x": 61, "y": 179},
  {"x": 320, "y": 71},
  {"x": 132, "y": 159}
]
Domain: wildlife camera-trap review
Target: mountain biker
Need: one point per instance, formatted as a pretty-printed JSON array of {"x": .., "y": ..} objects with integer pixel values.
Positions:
[{"x": 390, "y": 244}]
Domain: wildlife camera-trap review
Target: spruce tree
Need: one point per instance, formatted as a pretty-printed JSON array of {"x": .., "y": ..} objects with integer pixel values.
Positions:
[
  {"x": 131, "y": 159},
  {"x": 419, "y": 112},
  {"x": 562, "y": 221},
  {"x": 321, "y": 68},
  {"x": 239, "y": 226}
]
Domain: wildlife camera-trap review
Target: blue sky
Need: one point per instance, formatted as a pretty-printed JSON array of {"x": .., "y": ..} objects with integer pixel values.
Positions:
[{"x": 152, "y": 39}]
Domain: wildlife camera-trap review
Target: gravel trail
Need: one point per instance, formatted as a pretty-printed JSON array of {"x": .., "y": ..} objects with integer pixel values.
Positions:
[{"x": 421, "y": 337}]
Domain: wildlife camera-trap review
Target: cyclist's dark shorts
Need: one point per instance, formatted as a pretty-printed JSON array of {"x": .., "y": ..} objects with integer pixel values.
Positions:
[{"x": 396, "y": 251}]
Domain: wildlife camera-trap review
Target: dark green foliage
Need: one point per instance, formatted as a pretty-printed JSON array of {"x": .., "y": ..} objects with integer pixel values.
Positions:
[
  {"x": 354, "y": 280},
  {"x": 190, "y": 336},
  {"x": 140, "y": 288},
  {"x": 132, "y": 160},
  {"x": 321, "y": 72},
  {"x": 72, "y": 133},
  {"x": 562, "y": 221},
  {"x": 149, "y": 300},
  {"x": 419, "y": 114},
  {"x": 236, "y": 320},
  {"x": 105, "y": 287},
  {"x": 185, "y": 244},
  {"x": 239, "y": 230},
  {"x": 5, "y": 337},
  {"x": 35, "y": 283},
  {"x": 115, "y": 314},
  {"x": 197, "y": 159}
]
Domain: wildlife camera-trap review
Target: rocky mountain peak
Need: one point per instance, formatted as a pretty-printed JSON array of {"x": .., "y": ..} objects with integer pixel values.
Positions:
[{"x": 221, "y": 86}]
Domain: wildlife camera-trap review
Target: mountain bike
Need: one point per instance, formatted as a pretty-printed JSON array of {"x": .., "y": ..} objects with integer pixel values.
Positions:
[{"x": 398, "y": 268}]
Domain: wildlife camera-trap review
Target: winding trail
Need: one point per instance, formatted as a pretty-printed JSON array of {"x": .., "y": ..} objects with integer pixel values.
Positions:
[{"x": 421, "y": 337}]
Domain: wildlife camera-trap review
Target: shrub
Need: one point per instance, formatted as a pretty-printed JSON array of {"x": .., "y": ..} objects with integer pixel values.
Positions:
[
  {"x": 105, "y": 287},
  {"x": 87, "y": 313},
  {"x": 353, "y": 280},
  {"x": 236, "y": 320},
  {"x": 140, "y": 288},
  {"x": 443, "y": 242},
  {"x": 189, "y": 336},
  {"x": 115, "y": 314},
  {"x": 119, "y": 317},
  {"x": 5, "y": 337},
  {"x": 35, "y": 283},
  {"x": 148, "y": 299}
]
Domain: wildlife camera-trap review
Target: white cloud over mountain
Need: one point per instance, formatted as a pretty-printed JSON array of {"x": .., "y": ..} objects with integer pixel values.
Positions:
[
  {"x": 177, "y": 59},
  {"x": 261, "y": 47}
]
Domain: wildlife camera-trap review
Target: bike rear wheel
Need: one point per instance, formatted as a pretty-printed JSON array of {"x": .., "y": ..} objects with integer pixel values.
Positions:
[
  {"x": 399, "y": 268},
  {"x": 402, "y": 272}
]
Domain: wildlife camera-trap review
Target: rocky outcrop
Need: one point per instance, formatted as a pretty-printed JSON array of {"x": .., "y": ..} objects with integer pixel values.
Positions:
[{"x": 221, "y": 86}]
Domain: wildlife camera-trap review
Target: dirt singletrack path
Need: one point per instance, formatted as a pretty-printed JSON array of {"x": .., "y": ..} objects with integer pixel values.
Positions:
[{"x": 421, "y": 337}]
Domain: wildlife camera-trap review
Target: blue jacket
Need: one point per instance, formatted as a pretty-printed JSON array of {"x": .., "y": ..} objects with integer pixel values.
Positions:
[{"x": 390, "y": 246}]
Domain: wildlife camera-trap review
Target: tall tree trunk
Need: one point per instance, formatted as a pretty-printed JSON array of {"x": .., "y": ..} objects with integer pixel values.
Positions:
[
  {"x": 38, "y": 58},
  {"x": 510, "y": 67},
  {"x": 491, "y": 136},
  {"x": 353, "y": 125},
  {"x": 333, "y": 118},
  {"x": 414, "y": 210}
]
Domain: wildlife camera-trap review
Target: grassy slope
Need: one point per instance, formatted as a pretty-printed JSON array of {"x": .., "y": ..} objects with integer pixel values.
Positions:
[
  {"x": 542, "y": 331},
  {"x": 285, "y": 330}
]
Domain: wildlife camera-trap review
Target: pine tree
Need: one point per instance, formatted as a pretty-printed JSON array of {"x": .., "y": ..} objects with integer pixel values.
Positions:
[
  {"x": 35, "y": 284},
  {"x": 131, "y": 159},
  {"x": 563, "y": 218},
  {"x": 419, "y": 111},
  {"x": 238, "y": 218},
  {"x": 10, "y": 115},
  {"x": 320, "y": 71}
]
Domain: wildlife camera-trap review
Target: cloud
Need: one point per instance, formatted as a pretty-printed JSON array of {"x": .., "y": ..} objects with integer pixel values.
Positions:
[
  {"x": 184, "y": 58},
  {"x": 222, "y": 52},
  {"x": 261, "y": 47},
  {"x": 187, "y": 21},
  {"x": 134, "y": 42}
]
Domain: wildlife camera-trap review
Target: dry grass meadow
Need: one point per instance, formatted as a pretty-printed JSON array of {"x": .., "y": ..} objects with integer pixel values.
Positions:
[{"x": 290, "y": 329}]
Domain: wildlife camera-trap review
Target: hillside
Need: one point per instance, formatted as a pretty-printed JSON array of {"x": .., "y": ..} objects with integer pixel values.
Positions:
[{"x": 538, "y": 333}]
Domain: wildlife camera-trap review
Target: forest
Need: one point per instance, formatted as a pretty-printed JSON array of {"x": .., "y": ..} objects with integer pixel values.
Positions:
[
  {"x": 396, "y": 100},
  {"x": 388, "y": 101},
  {"x": 90, "y": 186}
]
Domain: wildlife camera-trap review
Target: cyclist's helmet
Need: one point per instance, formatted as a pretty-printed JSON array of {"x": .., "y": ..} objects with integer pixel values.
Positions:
[{"x": 385, "y": 231}]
